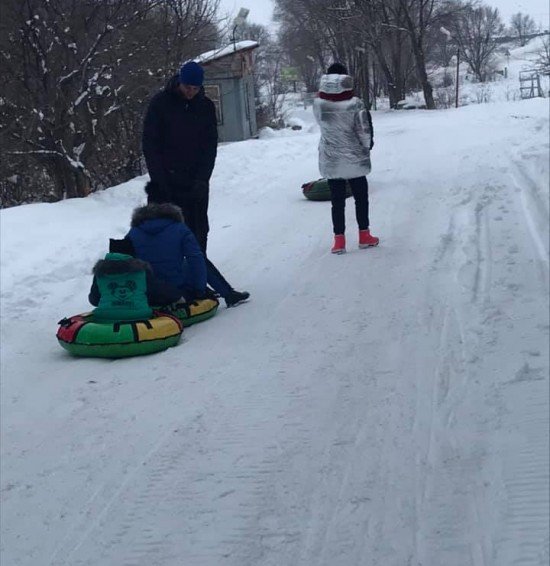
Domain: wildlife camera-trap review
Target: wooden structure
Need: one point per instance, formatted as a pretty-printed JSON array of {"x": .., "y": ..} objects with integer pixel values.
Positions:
[
  {"x": 529, "y": 84},
  {"x": 228, "y": 82}
]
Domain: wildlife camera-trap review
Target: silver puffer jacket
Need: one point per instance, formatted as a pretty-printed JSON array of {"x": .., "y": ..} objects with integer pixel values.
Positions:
[{"x": 345, "y": 131}]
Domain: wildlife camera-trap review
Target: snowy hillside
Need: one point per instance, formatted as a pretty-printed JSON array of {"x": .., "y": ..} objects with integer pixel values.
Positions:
[
  {"x": 387, "y": 407},
  {"x": 508, "y": 62}
]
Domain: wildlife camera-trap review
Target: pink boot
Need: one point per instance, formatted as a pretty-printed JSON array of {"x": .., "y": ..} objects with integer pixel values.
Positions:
[
  {"x": 366, "y": 240},
  {"x": 339, "y": 246}
]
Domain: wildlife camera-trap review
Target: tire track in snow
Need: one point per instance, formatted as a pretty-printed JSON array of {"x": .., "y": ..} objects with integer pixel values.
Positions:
[
  {"x": 535, "y": 212},
  {"x": 446, "y": 494},
  {"x": 192, "y": 498},
  {"x": 525, "y": 537},
  {"x": 111, "y": 492},
  {"x": 450, "y": 492}
]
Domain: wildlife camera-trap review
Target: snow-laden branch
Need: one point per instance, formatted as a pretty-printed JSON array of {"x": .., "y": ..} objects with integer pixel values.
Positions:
[
  {"x": 63, "y": 79},
  {"x": 36, "y": 152},
  {"x": 111, "y": 109}
]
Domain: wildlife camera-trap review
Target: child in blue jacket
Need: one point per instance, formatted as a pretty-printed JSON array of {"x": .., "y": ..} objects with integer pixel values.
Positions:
[
  {"x": 160, "y": 237},
  {"x": 214, "y": 278}
]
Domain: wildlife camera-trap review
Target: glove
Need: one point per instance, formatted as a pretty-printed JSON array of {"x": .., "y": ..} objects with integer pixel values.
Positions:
[{"x": 200, "y": 189}]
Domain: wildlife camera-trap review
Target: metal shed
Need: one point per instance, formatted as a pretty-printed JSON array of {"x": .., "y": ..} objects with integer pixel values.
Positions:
[{"x": 228, "y": 81}]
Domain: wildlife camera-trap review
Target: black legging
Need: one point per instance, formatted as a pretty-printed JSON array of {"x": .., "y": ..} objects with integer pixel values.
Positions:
[{"x": 360, "y": 190}]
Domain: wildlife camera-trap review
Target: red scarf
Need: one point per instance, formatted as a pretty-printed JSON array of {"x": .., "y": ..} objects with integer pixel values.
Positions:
[{"x": 346, "y": 95}]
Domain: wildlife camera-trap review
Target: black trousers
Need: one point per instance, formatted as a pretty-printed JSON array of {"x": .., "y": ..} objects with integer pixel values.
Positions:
[
  {"x": 194, "y": 210},
  {"x": 360, "y": 191},
  {"x": 195, "y": 214}
]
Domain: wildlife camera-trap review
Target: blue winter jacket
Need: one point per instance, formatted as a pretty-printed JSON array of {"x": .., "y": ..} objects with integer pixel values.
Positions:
[{"x": 161, "y": 238}]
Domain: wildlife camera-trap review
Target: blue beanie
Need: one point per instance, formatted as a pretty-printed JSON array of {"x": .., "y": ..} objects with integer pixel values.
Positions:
[{"x": 191, "y": 74}]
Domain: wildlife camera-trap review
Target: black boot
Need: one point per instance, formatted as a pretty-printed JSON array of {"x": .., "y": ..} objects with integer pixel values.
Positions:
[{"x": 236, "y": 298}]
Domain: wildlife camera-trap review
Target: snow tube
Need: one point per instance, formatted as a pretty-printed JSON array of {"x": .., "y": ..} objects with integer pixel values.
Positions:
[
  {"x": 319, "y": 190},
  {"x": 197, "y": 311},
  {"x": 81, "y": 336}
]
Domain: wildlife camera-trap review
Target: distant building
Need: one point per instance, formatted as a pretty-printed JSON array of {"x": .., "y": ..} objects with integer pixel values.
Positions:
[{"x": 229, "y": 83}]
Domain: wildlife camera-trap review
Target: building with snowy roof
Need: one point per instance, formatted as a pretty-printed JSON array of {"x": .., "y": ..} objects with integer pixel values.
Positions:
[{"x": 228, "y": 81}]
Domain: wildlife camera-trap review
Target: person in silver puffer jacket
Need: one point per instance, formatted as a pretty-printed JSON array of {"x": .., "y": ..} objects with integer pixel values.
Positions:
[{"x": 344, "y": 151}]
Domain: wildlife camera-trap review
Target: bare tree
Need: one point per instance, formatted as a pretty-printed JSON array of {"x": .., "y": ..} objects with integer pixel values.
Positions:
[
  {"x": 382, "y": 28},
  {"x": 303, "y": 27},
  {"x": 273, "y": 92},
  {"x": 76, "y": 75},
  {"x": 393, "y": 39},
  {"x": 522, "y": 25},
  {"x": 60, "y": 81},
  {"x": 423, "y": 20},
  {"x": 475, "y": 32},
  {"x": 304, "y": 51},
  {"x": 358, "y": 33},
  {"x": 543, "y": 55},
  {"x": 417, "y": 17}
]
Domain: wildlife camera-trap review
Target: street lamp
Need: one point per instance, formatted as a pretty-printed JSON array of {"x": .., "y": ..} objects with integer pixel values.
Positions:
[{"x": 239, "y": 21}]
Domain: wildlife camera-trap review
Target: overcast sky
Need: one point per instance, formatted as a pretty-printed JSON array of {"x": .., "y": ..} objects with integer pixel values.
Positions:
[
  {"x": 262, "y": 10},
  {"x": 538, "y": 9}
]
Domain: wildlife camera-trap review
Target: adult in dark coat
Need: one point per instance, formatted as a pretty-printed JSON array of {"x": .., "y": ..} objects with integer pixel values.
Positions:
[{"x": 180, "y": 140}]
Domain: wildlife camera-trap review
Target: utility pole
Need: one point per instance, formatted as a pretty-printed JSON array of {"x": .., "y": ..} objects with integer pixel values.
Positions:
[{"x": 457, "y": 74}]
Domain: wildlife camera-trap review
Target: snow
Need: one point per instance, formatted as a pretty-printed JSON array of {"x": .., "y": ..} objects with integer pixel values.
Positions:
[
  {"x": 384, "y": 407},
  {"x": 227, "y": 50},
  {"x": 80, "y": 98}
]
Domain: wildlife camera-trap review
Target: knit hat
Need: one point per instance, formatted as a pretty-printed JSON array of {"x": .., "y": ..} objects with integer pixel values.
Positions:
[
  {"x": 191, "y": 74},
  {"x": 337, "y": 69}
]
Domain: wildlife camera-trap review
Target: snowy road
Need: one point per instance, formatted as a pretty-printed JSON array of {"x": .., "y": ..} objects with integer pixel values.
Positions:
[{"x": 388, "y": 407}]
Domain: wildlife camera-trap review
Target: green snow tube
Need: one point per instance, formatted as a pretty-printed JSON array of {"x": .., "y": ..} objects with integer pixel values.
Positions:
[
  {"x": 319, "y": 190},
  {"x": 81, "y": 336}
]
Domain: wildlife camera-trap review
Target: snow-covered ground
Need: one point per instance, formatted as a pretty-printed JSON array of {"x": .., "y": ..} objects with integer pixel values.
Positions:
[{"x": 387, "y": 407}]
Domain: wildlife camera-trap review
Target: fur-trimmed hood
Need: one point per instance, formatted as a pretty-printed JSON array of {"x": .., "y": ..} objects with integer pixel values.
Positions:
[
  {"x": 115, "y": 264},
  {"x": 155, "y": 211}
]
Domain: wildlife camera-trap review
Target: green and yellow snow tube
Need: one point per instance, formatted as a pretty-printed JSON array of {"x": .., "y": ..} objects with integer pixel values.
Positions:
[
  {"x": 319, "y": 190},
  {"x": 81, "y": 336}
]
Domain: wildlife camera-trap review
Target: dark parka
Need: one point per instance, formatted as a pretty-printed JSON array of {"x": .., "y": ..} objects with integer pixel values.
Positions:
[{"x": 180, "y": 139}]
